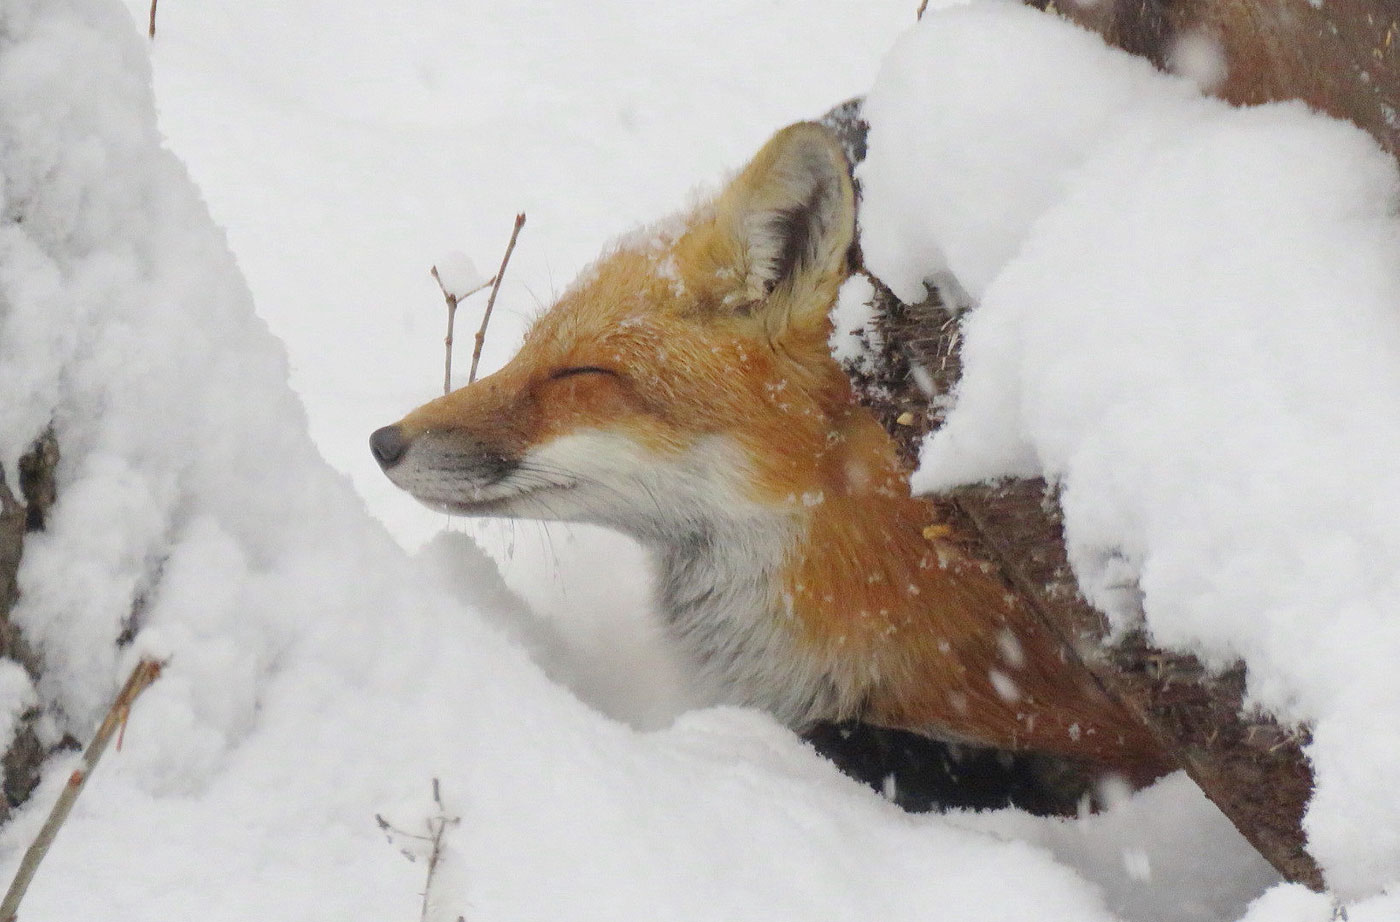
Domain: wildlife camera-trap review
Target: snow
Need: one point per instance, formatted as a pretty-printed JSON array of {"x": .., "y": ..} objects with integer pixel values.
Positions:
[
  {"x": 458, "y": 275},
  {"x": 318, "y": 674},
  {"x": 855, "y": 341},
  {"x": 1188, "y": 320},
  {"x": 1199, "y": 58}
]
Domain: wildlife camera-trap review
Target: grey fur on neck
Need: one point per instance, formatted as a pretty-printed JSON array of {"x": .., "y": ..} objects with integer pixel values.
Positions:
[{"x": 720, "y": 592}]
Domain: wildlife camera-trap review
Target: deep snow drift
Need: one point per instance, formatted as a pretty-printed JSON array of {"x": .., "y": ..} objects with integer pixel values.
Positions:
[{"x": 319, "y": 676}]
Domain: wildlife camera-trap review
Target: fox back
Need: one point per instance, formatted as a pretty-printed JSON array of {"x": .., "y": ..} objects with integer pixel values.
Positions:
[{"x": 682, "y": 392}]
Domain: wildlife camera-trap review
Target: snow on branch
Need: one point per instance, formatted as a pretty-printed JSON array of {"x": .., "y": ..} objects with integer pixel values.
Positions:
[{"x": 458, "y": 279}]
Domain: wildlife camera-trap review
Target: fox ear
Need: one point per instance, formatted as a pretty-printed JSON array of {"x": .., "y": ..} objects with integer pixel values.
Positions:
[{"x": 791, "y": 213}]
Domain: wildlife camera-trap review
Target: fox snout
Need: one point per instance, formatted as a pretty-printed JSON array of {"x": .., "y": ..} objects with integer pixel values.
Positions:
[
  {"x": 445, "y": 469},
  {"x": 388, "y": 446}
]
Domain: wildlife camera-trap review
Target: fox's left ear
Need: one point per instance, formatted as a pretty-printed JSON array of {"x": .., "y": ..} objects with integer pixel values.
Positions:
[{"x": 791, "y": 214}]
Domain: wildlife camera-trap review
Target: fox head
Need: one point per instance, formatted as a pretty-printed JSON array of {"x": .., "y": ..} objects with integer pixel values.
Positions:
[{"x": 684, "y": 376}]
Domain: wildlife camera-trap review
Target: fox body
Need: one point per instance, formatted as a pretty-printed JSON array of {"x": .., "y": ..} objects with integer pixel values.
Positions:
[{"x": 682, "y": 392}]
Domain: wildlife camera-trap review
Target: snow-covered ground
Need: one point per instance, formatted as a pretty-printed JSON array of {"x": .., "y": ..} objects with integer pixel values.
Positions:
[{"x": 319, "y": 674}]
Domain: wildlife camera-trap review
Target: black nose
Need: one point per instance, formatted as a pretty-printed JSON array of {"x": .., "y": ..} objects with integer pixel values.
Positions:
[{"x": 388, "y": 445}]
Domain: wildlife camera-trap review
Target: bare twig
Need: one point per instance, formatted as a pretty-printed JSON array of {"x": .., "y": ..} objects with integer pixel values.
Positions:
[
  {"x": 923, "y": 7},
  {"x": 452, "y": 302},
  {"x": 491, "y": 301},
  {"x": 152, "y": 30},
  {"x": 441, "y": 822},
  {"x": 146, "y": 672},
  {"x": 437, "y": 826}
]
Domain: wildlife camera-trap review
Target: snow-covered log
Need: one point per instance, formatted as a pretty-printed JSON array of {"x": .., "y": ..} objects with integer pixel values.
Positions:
[
  {"x": 1253, "y": 769},
  {"x": 906, "y": 363}
]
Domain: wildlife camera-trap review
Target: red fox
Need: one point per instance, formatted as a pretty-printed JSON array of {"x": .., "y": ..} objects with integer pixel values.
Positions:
[{"x": 682, "y": 392}]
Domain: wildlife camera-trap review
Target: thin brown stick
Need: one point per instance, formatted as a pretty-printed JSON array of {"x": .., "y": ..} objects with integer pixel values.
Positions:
[
  {"x": 146, "y": 672},
  {"x": 452, "y": 302},
  {"x": 437, "y": 826},
  {"x": 152, "y": 30},
  {"x": 923, "y": 7},
  {"x": 442, "y": 822},
  {"x": 491, "y": 301}
]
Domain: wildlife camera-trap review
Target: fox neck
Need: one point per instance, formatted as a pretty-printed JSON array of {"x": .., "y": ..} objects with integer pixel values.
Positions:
[
  {"x": 719, "y": 589},
  {"x": 858, "y": 606},
  {"x": 763, "y": 590},
  {"x": 803, "y": 614}
]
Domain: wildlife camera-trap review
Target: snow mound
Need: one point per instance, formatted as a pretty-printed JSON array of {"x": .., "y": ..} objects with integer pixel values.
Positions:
[{"x": 1190, "y": 319}]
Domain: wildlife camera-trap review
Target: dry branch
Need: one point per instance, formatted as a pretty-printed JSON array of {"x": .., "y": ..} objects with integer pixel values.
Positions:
[
  {"x": 494, "y": 283},
  {"x": 146, "y": 672},
  {"x": 452, "y": 302},
  {"x": 151, "y": 30},
  {"x": 437, "y": 826},
  {"x": 491, "y": 301}
]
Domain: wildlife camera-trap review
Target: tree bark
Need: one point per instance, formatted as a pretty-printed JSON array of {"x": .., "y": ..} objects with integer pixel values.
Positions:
[
  {"x": 20, "y": 516},
  {"x": 1341, "y": 57}
]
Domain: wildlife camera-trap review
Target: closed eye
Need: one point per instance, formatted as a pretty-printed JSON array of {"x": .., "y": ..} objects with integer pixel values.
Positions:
[{"x": 582, "y": 370}]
